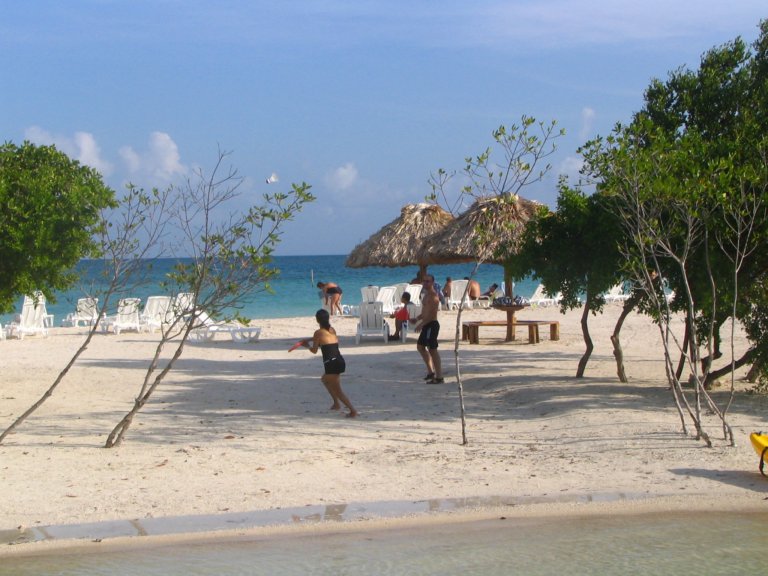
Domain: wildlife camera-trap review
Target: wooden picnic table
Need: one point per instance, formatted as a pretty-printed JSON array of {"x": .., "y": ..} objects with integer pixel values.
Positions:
[
  {"x": 471, "y": 329},
  {"x": 510, "y": 311}
]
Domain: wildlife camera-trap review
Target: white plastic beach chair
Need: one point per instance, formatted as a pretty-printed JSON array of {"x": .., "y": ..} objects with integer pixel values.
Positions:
[
  {"x": 369, "y": 293},
  {"x": 208, "y": 328},
  {"x": 32, "y": 319},
  {"x": 386, "y": 296},
  {"x": 616, "y": 294},
  {"x": 415, "y": 291},
  {"x": 86, "y": 311},
  {"x": 127, "y": 317},
  {"x": 372, "y": 322},
  {"x": 155, "y": 312},
  {"x": 180, "y": 309},
  {"x": 540, "y": 297},
  {"x": 458, "y": 287}
]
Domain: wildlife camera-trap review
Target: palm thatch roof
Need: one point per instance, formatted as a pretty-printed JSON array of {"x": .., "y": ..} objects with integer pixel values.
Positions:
[
  {"x": 399, "y": 243},
  {"x": 490, "y": 228}
]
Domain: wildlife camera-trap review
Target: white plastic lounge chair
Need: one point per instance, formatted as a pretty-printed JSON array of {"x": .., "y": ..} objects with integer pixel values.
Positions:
[
  {"x": 486, "y": 301},
  {"x": 182, "y": 304},
  {"x": 86, "y": 311},
  {"x": 155, "y": 312},
  {"x": 208, "y": 328},
  {"x": 127, "y": 317},
  {"x": 458, "y": 287},
  {"x": 32, "y": 319},
  {"x": 398, "y": 295},
  {"x": 386, "y": 296},
  {"x": 369, "y": 293},
  {"x": 179, "y": 309},
  {"x": 616, "y": 294},
  {"x": 540, "y": 298},
  {"x": 372, "y": 322},
  {"x": 415, "y": 291}
]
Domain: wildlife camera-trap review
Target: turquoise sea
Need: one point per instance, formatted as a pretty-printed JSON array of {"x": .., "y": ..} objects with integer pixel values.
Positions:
[{"x": 294, "y": 290}]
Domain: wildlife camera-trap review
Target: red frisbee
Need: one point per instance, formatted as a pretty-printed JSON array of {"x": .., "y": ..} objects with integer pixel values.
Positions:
[{"x": 298, "y": 344}]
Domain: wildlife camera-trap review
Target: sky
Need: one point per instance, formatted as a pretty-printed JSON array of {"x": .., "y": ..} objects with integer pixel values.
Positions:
[{"x": 361, "y": 99}]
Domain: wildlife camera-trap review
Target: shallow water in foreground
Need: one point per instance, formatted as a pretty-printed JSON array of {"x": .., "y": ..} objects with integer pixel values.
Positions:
[{"x": 670, "y": 543}]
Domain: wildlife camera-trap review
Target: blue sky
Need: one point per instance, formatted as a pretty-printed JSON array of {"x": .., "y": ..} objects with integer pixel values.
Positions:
[{"x": 362, "y": 99}]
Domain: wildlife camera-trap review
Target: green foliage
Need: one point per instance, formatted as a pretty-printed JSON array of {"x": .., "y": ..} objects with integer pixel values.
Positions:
[
  {"x": 51, "y": 207},
  {"x": 517, "y": 159},
  {"x": 689, "y": 177},
  {"x": 231, "y": 257},
  {"x": 573, "y": 250}
]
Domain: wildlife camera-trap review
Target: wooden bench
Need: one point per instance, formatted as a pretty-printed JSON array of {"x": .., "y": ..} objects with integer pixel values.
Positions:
[{"x": 471, "y": 330}]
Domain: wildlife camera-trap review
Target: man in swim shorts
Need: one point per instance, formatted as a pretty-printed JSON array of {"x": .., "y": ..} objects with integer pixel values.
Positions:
[{"x": 430, "y": 328}]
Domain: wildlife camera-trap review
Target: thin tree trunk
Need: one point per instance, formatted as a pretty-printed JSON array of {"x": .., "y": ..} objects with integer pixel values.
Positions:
[
  {"x": 457, "y": 360},
  {"x": 754, "y": 373},
  {"x": 589, "y": 346},
  {"x": 460, "y": 383},
  {"x": 683, "y": 353},
  {"x": 115, "y": 437},
  {"x": 618, "y": 352},
  {"x": 730, "y": 368},
  {"x": 48, "y": 393}
]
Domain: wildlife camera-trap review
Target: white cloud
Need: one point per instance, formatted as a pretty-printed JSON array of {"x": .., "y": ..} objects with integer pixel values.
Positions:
[
  {"x": 160, "y": 163},
  {"x": 81, "y": 147},
  {"x": 342, "y": 178}
]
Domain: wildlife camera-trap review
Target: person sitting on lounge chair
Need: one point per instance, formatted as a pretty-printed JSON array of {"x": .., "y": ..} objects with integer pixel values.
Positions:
[
  {"x": 474, "y": 289},
  {"x": 491, "y": 292}
]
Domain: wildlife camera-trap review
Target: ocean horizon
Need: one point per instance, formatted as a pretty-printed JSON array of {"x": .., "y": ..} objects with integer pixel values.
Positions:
[{"x": 294, "y": 289}]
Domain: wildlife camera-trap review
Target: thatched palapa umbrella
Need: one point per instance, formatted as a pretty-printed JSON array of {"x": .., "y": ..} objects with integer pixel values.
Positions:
[
  {"x": 400, "y": 242},
  {"x": 491, "y": 227}
]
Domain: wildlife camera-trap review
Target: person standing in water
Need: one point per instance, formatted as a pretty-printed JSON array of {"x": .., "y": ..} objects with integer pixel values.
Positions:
[
  {"x": 325, "y": 340},
  {"x": 430, "y": 328}
]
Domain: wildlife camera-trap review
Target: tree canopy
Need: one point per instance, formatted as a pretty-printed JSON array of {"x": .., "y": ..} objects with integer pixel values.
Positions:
[
  {"x": 689, "y": 177},
  {"x": 51, "y": 208}
]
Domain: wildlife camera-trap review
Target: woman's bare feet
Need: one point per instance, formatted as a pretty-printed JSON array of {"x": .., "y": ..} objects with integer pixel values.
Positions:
[
  {"x": 335, "y": 406},
  {"x": 352, "y": 414}
]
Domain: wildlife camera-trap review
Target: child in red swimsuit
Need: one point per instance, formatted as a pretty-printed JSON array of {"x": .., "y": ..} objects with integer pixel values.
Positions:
[{"x": 401, "y": 315}]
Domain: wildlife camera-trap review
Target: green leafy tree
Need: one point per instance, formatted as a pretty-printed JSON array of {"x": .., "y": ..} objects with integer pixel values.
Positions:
[
  {"x": 689, "y": 177},
  {"x": 574, "y": 251},
  {"x": 128, "y": 232},
  {"x": 50, "y": 212}
]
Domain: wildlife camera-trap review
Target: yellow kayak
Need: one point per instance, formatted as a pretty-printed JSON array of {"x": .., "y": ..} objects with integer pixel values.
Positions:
[{"x": 760, "y": 444}]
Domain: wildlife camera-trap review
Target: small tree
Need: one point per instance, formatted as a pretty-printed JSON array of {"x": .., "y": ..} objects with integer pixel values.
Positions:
[
  {"x": 497, "y": 176},
  {"x": 230, "y": 257}
]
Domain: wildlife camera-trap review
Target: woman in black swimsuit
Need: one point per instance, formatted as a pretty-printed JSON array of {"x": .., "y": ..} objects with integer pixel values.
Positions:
[
  {"x": 332, "y": 296},
  {"x": 327, "y": 342}
]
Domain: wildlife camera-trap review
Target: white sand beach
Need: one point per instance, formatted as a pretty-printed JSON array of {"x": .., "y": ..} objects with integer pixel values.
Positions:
[{"x": 239, "y": 428}]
